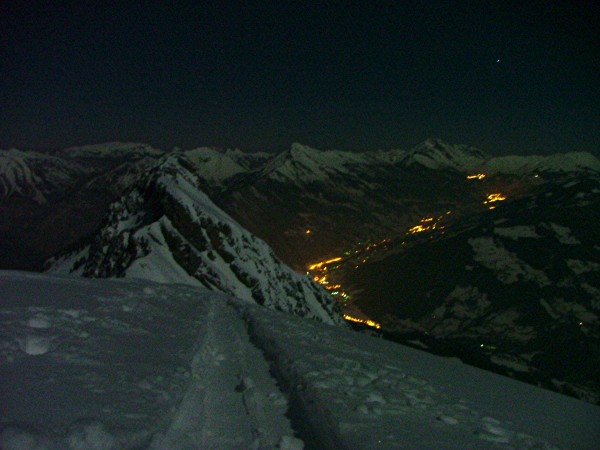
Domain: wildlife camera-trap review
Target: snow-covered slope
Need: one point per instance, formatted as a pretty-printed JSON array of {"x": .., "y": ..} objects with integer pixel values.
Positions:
[
  {"x": 166, "y": 229},
  {"x": 129, "y": 364},
  {"x": 111, "y": 150},
  {"x": 304, "y": 165},
  {"x": 564, "y": 162},
  {"x": 35, "y": 176},
  {"x": 218, "y": 166},
  {"x": 436, "y": 154}
]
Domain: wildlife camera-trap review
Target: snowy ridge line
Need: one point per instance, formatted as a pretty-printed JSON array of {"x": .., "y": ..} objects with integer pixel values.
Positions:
[
  {"x": 231, "y": 400},
  {"x": 313, "y": 425},
  {"x": 167, "y": 229},
  {"x": 350, "y": 397}
]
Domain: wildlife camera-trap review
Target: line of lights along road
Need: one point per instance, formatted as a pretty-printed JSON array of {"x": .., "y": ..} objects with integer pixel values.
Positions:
[{"x": 320, "y": 271}]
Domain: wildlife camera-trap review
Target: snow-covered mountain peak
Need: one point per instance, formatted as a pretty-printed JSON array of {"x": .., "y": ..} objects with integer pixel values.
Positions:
[
  {"x": 167, "y": 229},
  {"x": 34, "y": 175},
  {"x": 436, "y": 154},
  {"x": 216, "y": 166},
  {"x": 298, "y": 150},
  {"x": 303, "y": 165},
  {"x": 111, "y": 150}
]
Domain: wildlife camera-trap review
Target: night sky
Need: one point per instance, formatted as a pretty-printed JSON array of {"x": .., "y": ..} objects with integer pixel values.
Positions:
[{"x": 508, "y": 77}]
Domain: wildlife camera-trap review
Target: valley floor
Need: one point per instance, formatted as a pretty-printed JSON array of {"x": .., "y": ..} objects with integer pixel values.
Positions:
[{"x": 129, "y": 364}]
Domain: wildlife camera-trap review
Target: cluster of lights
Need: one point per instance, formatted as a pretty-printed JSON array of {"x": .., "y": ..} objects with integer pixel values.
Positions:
[
  {"x": 377, "y": 244},
  {"x": 423, "y": 226},
  {"x": 497, "y": 197},
  {"x": 492, "y": 198},
  {"x": 320, "y": 271},
  {"x": 476, "y": 176},
  {"x": 418, "y": 229},
  {"x": 321, "y": 276},
  {"x": 427, "y": 223},
  {"x": 368, "y": 322},
  {"x": 319, "y": 265}
]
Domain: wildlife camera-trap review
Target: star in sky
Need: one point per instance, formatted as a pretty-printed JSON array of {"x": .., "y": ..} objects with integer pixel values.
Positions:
[{"x": 362, "y": 76}]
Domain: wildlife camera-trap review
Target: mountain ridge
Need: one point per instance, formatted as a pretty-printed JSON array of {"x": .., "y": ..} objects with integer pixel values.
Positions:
[{"x": 166, "y": 229}]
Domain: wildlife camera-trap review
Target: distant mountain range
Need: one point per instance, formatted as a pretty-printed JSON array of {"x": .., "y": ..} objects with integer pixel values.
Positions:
[{"x": 494, "y": 260}]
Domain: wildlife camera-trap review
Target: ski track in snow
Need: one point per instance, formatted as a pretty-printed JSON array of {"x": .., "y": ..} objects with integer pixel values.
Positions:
[
  {"x": 231, "y": 384},
  {"x": 130, "y": 364},
  {"x": 357, "y": 399}
]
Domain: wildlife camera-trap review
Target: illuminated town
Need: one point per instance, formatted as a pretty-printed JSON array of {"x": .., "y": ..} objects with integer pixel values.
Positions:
[
  {"x": 321, "y": 271},
  {"x": 492, "y": 198},
  {"x": 477, "y": 176},
  {"x": 368, "y": 322},
  {"x": 429, "y": 223}
]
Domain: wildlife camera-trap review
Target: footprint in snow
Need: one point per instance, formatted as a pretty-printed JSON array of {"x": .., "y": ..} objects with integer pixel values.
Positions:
[
  {"x": 369, "y": 410},
  {"x": 448, "y": 420},
  {"x": 277, "y": 399},
  {"x": 35, "y": 345},
  {"x": 494, "y": 432},
  {"x": 290, "y": 443},
  {"x": 244, "y": 384},
  {"x": 418, "y": 400},
  {"x": 71, "y": 313},
  {"x": 376, "y": 397},
  {"x": 145, "y": 385},
  {"x": 362, "y": 381},
  {"x": 39, "y": 322}
]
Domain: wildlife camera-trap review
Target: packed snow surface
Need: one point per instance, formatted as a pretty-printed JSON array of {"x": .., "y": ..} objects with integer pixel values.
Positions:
[{"x": 117, "y": 364}]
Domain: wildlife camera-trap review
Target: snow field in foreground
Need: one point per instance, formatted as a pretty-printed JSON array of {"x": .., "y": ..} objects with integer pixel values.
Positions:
[{"x": 105, "y": 364}]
